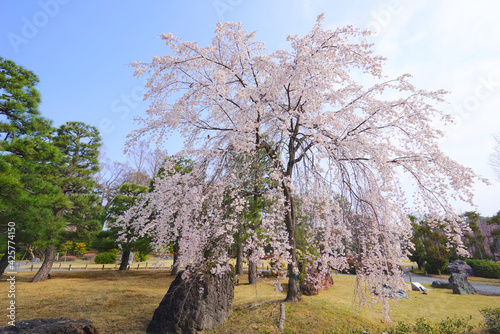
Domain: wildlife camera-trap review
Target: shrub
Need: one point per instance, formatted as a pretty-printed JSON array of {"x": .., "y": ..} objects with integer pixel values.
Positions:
[
  {"x": 106, "y": 257},
  {"x": 89, "y": 256},
  {"x": 492, "y": 319},
  {"x": 67, "y": 258},
  {"x": 140, "y": 257},
  {"x": 422, "y": 326},
  {"x": 485, "y": 268}
]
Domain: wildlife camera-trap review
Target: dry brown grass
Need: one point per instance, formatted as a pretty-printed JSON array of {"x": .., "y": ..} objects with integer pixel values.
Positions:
[
  {"x": 124, "y": 302},
  {"x": 117, "y": 302}
]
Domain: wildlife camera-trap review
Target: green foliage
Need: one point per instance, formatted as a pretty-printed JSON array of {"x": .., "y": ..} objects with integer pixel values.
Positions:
[
  {"x": 495, "y": 221},
  {"x": 436, "y": 265},
  {"x": 430, "y": 247},
  {"x": 485, "y": 268},
  {"x": 127, "y": 196},
  {"x": 492, "y": 319},
  {"x": 105, "y": 241},
  {"x": 140, "y": 257},
  {"x": 79, "y": 144},
  {"x": 29, "y": 195},
  {"x": 19, "y": 100},
  {"x": 422, "y": 326},
  {"x": 105, "y": 258},
  {"x": 475, "y": 240}
]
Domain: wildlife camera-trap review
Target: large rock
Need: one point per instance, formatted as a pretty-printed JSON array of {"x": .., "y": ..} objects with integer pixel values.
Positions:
[
  {"x": 460, "y": 267},
  {"x": 51, "y": 326},
  {"x": 309, "y": 287},
  {"x": 441, "y": 285},
  {"x": 194, "y": 305},
  {"x": 389, "y": 292},
  {"x": 460, "y": 285}
]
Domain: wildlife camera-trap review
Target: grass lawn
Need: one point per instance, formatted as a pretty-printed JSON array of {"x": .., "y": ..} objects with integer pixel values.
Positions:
[{"x": 124, "y": 302}]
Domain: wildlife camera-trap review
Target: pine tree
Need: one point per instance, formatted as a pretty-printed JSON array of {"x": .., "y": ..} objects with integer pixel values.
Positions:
[
  {"x": 28, "y": 196},
  {"x": 78, "y": 144}
]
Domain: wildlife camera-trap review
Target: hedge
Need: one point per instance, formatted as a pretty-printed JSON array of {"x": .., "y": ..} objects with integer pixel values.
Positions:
[{"x": 485, "y": 268}]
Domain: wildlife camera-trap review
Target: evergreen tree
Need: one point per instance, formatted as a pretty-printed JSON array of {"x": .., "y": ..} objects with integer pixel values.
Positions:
[
  {"x": 475, "y": 240},
  {"x": 127, "y": 196},
  {"x": 28, "y": 196},
  {"x": 19, "y": 100},
  {"x": 78, "y": 144}
]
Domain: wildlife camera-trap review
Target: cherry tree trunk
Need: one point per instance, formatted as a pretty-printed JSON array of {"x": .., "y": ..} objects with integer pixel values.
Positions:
[
  {"x": 4, "y": 262},
  {"x": 239, "y": 259},
  {"x": 44, "y": 270},
  {"x": 176, "y": 265},
  {"x": 125, "y": 258},
  {"x": 294, "y": 292},
  {"x": 252, "y": 272}
]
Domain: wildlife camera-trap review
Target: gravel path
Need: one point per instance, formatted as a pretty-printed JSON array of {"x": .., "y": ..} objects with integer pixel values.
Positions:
[{"x": 482, "y": 289}]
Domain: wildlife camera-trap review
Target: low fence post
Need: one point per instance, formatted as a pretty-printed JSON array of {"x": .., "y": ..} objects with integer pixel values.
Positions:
[{"x": 282, "y": 317}]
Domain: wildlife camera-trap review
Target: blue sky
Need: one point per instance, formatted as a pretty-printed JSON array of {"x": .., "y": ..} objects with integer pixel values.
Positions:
[{"x": 81, "y": 51}]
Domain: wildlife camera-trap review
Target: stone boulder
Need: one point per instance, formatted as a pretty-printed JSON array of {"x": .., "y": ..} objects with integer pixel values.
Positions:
[
  {"x": 441, "y": 285},
  {"x": 460, "y": 285},
  {"x": 51, "y": 326},
  {"x": 389, "y": 292},
  {"x": 195, "y": 304},
  {"x": 460, "y": 267},
  {"x": 309, "y": 287}
]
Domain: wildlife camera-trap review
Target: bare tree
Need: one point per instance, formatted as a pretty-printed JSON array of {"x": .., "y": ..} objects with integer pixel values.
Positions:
[
  {"x": 144, "y": 163},
  {"x": 109, "y": 178},
  {"x": 155, "y": 160}
]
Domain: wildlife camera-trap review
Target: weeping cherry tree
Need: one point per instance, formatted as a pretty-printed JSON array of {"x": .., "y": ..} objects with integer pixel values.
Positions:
[{"x": 344, "y": 140}]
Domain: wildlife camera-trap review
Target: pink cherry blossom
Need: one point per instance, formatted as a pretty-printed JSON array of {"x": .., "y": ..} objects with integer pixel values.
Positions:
[{"x": 339, "y": 135}]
